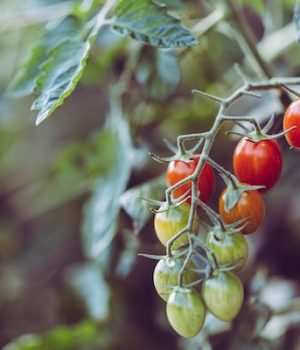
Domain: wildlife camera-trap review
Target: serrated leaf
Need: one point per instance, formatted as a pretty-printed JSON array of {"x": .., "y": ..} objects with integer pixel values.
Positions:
[
  {"x": 159, "y": 72},
  {"x": 56, "y": 65},
  {"x": 297, "y": 20},
  {"x": 150, "y": 23},
  {"x": 25, "y": 81},
  {"x": 60, "y": 75},
  {"x": 137, "y": 208},
  {"x": 102, "y": 210}
]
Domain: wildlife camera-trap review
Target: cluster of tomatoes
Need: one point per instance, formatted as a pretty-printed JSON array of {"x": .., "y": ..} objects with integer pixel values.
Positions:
[{"x": 256, "y": 163}]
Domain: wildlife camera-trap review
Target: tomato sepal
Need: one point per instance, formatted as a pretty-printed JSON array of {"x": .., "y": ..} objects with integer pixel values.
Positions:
[{"x": 234, "y": 192}]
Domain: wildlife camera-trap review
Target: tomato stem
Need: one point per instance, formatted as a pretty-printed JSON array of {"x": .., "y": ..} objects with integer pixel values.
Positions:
[{"x": 206, "y": 140}]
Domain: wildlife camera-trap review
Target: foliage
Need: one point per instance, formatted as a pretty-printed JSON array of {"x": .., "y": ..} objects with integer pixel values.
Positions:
[{"x": 71, "y": 191}]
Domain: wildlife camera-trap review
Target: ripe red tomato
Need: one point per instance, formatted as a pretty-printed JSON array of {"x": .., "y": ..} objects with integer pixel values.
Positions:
[
  {"x": 179, "y": 169},
  {"x": 258, "y": 163},
  {"x": 292, "y": 118},
  {"x": 250, "y": 206}
]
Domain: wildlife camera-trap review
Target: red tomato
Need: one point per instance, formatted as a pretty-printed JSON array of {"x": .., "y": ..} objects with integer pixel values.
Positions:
[
  {"x": 179, "y": 169},
  {"x": 292, "y": 118},
  {"x": 250, "y": 205},
  {"x": 258, "y": 163}
]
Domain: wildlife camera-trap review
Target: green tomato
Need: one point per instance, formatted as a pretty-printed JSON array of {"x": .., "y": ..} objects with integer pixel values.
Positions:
[
  {"x": 223, "y": 295},
  {"x": 169, "y": 222},
  {"x": 186, "y": 312},
  {"x": 165, "y": 275},
  {"x": 229, "y": 249}
]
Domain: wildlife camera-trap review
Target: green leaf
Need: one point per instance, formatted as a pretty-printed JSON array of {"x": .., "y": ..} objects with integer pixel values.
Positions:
[
  {"x": 57, "y": 63},
  {"x": 136, "y": 207},
  {"x": 25, "y": 81},
  {"x": 149, "y": 22},
  {"x": 102, "y": 210},
  {"x": 59, "y": 77},
  {"x": 89, "y": 282},
  {"x": 159, "y": 72}
]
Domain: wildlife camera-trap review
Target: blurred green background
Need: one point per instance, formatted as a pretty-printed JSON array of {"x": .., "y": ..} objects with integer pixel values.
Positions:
[{"x": 53, "y": 295}]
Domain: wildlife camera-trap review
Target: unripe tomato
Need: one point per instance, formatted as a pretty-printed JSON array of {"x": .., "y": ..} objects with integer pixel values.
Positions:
[
  {"x": 229, "y": 249},
  {"x": 292, "y": 118},
  {"x": 169, "y": 222},
  {"x": 186, "y": 312},
  {"x": 223, "y": 295},
  {"x": 258, "y": 163},
  {"x": 166, "y": 273},
  {"x": 250, "y": 206},
  {"x": 179, "y": 170}
]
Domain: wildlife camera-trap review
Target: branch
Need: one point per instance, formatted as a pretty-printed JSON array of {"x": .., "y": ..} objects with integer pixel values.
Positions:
[{"x": 209, "y": 137}]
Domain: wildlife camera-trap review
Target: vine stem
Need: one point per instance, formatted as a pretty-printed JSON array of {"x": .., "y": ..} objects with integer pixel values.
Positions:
[{"x": 209, "y": 138}]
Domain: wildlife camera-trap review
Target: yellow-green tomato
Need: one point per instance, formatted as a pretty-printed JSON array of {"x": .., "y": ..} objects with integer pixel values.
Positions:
[
  {"x": 229, "y": 249},
  {"x": 223, "y": 295},
  {"x": 169, "y": 222},
  {"x": 186, "y": 312},
  {"x": 165, "y": 276}
]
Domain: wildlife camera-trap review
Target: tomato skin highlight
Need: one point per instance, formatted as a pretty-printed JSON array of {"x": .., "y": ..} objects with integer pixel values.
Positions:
[
  {"x": 223, "y": 295},
  {"x": 258, "y": 163},
  {"x": 169, "y": 222},
  {"x": 186, "y": 312},
  {"x": 292, "y": 118},
  {"x": 178, "y": 170},
  {"x": 165, "y": 275},
  {"x": 231, "y": 249},
  {"x": 250, "y": 205}
]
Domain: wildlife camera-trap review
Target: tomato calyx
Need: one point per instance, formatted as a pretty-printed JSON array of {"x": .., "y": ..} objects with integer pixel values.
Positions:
[
  {"x": 234, "y": 191},
  {"x": 180, "y": 154},
  {"x": 165, "y": 206},
  {"x": 221, "y": 232},
  {"x": 213, "y": 272},
  {"x": 257, "y": 133}
]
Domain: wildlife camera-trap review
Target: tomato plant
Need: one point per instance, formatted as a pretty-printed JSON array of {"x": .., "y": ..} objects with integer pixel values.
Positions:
[
  {"x": 179, "y": 170},
  {"x": 142, "y": 90},
  {"x": 169, "y": 221},
  {"x": 292, "y": 119},
  {"x": 165, "y": 275},
  {"x": 250, "y": 207},
  {"x": 223, "y": 295},
  {"x": 229, "y": 248},
  {"x": 258, "y": 162},
  {"x": 186, "y": 312}
]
